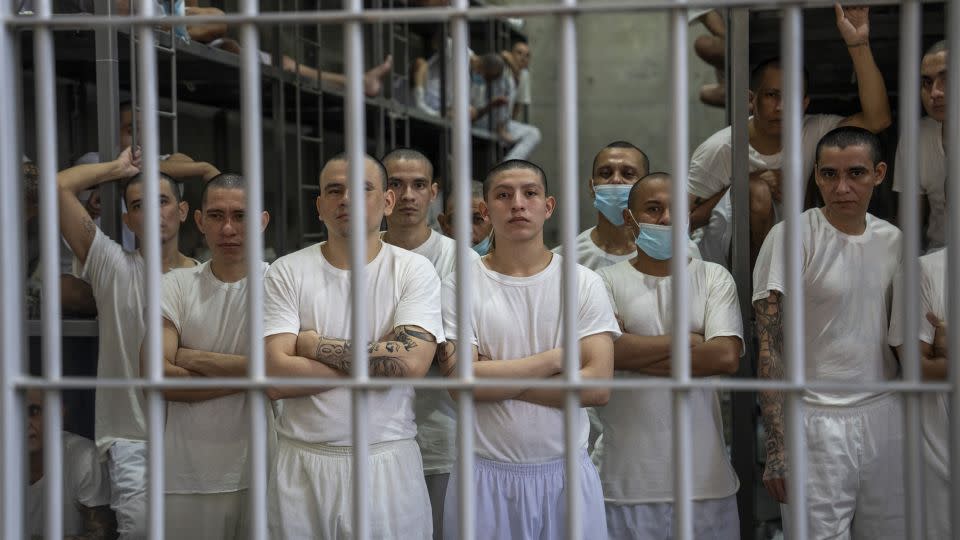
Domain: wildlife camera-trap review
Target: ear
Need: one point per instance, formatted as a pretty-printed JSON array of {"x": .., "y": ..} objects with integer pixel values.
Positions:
[
  {"x": 389, "y": 200},
  {"x": 593, "y": 191},
  {"x": 628, "y": 221},
  {"x": 806, "y": 103},
  {"x": 484, "y": 211},
  {"x": 434, "y": 191},
  {"x": 184, "y": 208},
  {"x": 551, "y": 205},
  {"x": 264, "y": 220},
  {"x": 881, "y": 172},
  {"x": 125, "y": 218},
  {"x": 319, "y": 217},
  {"x": 198, "y": 218}
]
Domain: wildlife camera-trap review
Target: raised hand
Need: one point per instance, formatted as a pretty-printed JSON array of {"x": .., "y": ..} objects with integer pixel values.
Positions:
[
  {"x": 854, "y": 24},
  {"x": 128, "y": 162},
  {"x": 939, "y": 335}
]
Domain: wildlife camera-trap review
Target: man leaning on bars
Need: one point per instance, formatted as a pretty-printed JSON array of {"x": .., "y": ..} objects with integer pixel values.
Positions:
[
  {"x": 307, "y": 314},
  {"x": 854, "y": 439},
  {"x": 516, "y": 332}
]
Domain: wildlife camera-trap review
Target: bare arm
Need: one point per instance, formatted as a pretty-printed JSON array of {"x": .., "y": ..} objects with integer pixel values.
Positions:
[
  {"x": 634, "y": 353},
  {"x": 718, "y": 356},
  {"x": 932, "y": 367},
  {"x": 700, "y": 209},
  {"x": 283, "y": 361},
  {"x": 211, "y": 364},
  {"x": 409, "y": 354},
  {"x": 181, "y": 168},
  {"x": 770, "y": 335},
  {"x": 538, "y": 366},
  {"x": 99, "y": 523},
  {"x": 854, "y": 26},
  {"x": 596, "y": 361},
  {"x": 77, "y": 226},
  {"x": 76, "y": 297},
  {"x": 205, "y": 33}
]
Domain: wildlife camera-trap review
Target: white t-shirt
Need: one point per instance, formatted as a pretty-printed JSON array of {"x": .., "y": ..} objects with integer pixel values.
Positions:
[
  {"x": 936, "y": 406},
  {"x": 524, "y": 94},
  {"x": 434, "y": 409},
  {"x": 933, "y": 177},
  {"x": 515, "y": 317},
  {"x": 206, "y": 442},
  {"x": 590, "y": 255},
  {"x": 303, "y": 291},
  {"x": 84, "y": 483},
  {"x": 636, "y": 455},
  {"x": 711, "y": 169},
  {"x": 117, "y": 280},
  {"x": 847, "y": 288}
]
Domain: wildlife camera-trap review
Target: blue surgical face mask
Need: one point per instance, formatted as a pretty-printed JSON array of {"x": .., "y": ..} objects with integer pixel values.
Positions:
[
  {"x": 655, "y": 240},
  {"x": 484, "y": 246},
  {"x": 611, "y": 201}
]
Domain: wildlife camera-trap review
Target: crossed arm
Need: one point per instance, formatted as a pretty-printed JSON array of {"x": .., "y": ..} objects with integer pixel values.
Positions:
[
  {"x": 183, "y": 362},
  {"x": 99, "y": 523},
  {"x": 650, "y": 355},
  {"x": 933, "y": 356},
  {"x": 405, "y": 352},
  {"x": 596, "y": 362}
]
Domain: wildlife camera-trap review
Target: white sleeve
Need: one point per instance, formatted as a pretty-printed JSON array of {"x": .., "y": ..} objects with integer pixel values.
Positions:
[
  {"x": 895, "y": 337},
  {"x": 596, "y": 311},
  {"x": 449, "y": 306},
  {"x": 768, "y": 273},
  {"x": 90, "y": 477},
  {"x": 105, "y": 261},
  {"x": 419, "y": 303},
  {"x": 722, "y": 314},
  {"x": 710, "y": 167},
  {"x": 171, "y": 298},
  {"x": 281, "y": 310}
]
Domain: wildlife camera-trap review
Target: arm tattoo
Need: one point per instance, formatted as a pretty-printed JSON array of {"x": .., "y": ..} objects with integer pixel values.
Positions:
[
  {"x": 770, "y": 335},
  {"x": 384, "y": 359},
  {"x": 447, "y": 358},
  {"x": 99, "y": 522}
]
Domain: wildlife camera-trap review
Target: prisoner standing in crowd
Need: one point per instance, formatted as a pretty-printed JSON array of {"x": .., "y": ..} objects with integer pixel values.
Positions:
[
  {"x": 854, "y": 440},
  {"x": 117, "y": 278},
  {"x": 635, "y": 453},
  {"x": 410, "y": 179},
  {"x": 307, "y": 314},
  {"x": 934, "y": 362},
  {"x": 932, "y": 154},
  {"x": 206, "y": 434},
  {"x": 710, "y": 166},
  {"x": 516, "y": 332}
]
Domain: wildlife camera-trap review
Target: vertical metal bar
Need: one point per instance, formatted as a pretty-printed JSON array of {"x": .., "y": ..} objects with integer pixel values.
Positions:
[
  {"x": 11, "y": 293},
  {"x": 909, "y": 167},
  {"x": 153, "y": 262},
  {"x": 792, "y": 54},
  {"x": 680, "y": 286},
  {"x": 569, "y": 228},
  {"x": 253, "y": 174},
  {"x": 108, "y": 96},
  {"x": 46, "y": 110},
  {"x": 953, "y": 255},
  {"x": 279, "y": 114},
  {"x": 744, "y": 403},
  {"x": 174, "y": 105},
  {"x": 355, "y": 142},
  {"x": 461, "y": 177}
]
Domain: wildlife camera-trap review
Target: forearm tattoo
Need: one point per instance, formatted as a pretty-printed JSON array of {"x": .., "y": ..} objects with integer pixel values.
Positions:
[
  {"x": 447, "y": 358},
  {"x": 770, "y": 335},
  {"x": 100, "y": 523},
  {"x": 384, "y": 362}
]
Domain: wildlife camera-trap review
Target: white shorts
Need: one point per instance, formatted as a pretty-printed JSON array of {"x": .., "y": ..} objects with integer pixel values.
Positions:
[
  {"x": 206, "y": 516},
  {"x": 311, "y": 492},
  {"x": 521, "y": 501},
  {"x": 127, "y": 467},
  {"x": 713, "y": 519},
  {"x": 854, "y": 471},
  {"x": 936, "y": 503}
]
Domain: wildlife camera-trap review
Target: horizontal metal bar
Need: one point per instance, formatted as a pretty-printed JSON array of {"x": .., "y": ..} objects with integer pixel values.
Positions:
[
  {"x": 311, "y": 138},
  {"x": 311, "y": 188},
  {"x": 370, "y": 16},
  {"x": 69, "y": 328},
  {"x": 163, "y": 114},
  {"x": 456, "y": 384}
]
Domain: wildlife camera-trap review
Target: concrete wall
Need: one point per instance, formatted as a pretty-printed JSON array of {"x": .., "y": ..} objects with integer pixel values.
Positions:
[{"x": 622, "y": 70}]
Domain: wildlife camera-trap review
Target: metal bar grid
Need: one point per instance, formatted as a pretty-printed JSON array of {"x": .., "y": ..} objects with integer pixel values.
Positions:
[
  {"x": 952, "y": 127},
  {"x": 794, "y": 349},
  {"x": 353, "y": 40}
]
